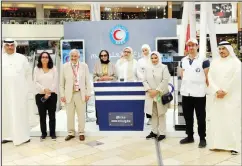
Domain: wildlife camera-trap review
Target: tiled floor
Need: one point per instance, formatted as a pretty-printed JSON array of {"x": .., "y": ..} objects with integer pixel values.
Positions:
[
  {"x": 111, "y": 148},
  {"x": 115, "y": 150}
]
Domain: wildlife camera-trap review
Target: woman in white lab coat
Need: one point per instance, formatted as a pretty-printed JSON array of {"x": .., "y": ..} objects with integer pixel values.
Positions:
[
  {"x": 156, "y": 78},
  {"x": 142, "y": 63},
  {"x": 126, "y": 66}
]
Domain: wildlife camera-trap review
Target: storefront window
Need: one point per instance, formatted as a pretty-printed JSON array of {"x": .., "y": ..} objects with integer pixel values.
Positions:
[
  {"x": 231, "y": 38},
  {"x": 42, "y": 44},
  {"x": 177, "y": 9},
  {"x": 19, "y": 12},
  {"x": 222, "y": 13},
  {"x": 67, "y": 13},
  {"x": 131, "y": 13}
]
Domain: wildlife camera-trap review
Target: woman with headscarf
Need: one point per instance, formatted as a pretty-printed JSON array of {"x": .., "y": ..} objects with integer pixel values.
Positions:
[
  {"x": 104, "y": 70},
  {"x": 127, "y": 66},
  {"x": 156, "y": 78},
  {"x": 142, "y": 63}
]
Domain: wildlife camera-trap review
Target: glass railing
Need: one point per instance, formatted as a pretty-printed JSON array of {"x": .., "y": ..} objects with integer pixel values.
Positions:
[
  {"x": 54, "y": 21},
  {"x": 45, "y": 21}
]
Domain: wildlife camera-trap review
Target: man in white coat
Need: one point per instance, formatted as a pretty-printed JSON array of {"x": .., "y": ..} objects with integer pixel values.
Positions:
[
  {"x": 75, "y": 91},
  {"x": 225, "y": 108},
  {"x": 15, "y": 73}
]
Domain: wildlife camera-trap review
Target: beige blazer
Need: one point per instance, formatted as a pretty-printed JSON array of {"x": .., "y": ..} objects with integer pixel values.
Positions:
[
  {"x": 97, "y": 72},
  {"x": 67, "y": 81},
  {"x": 156, "y": 79}
]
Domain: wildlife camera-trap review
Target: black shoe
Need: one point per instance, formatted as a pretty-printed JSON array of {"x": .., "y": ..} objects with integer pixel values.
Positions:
[
  {"x": 202, "y": 143},
  {"x": 53, "y": 138},
  {"x": 161, "y": 137},
  {"x": 151, "y": 135},
  {"x": 27, "y": 141},
  {"x": 6, "y": 141},
  {"x": 234, "y": 152},
  {"x": 42, "y": 137},
  {"x": 187, "y": 140},
  {"x": 69, "y": 137}
]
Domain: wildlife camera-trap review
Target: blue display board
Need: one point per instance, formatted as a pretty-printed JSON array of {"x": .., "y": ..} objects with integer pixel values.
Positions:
[
  {"x": 68, "y": 45},
  {"x": 115, "y": 35}
]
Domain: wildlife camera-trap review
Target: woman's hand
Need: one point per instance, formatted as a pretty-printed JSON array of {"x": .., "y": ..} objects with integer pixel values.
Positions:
[
  {"x": 47, "y": 96},
  {"x": 47, "y": 91},
  {"x": 153, "y": 93},
  {"x": 105, "y": 78}
]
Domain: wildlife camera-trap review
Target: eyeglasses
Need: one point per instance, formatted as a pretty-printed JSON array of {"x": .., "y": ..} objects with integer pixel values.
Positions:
[
  {"x": 45, "y": 57},
  {"x": 128, "y": 52},
  {"x": 105, "y": 55}
]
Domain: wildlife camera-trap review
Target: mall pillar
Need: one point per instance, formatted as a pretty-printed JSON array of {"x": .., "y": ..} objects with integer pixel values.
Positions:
[
  {"x": 39, "y": 12},
  {"x": 169, "y": 9},
  {"x": 240, "y": 26},
  {"x": 234, "y": 10}
]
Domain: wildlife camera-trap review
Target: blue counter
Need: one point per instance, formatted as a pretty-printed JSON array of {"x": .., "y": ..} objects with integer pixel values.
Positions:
[{"x": 120, "y": 105}]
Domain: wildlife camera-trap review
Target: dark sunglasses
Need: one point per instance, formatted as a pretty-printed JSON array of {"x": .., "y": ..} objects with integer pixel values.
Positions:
[{"x": 105, "y": 55}]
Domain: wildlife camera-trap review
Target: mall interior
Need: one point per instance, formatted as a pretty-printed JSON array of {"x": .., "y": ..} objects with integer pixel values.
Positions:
[{"x": 40, "y": 26}]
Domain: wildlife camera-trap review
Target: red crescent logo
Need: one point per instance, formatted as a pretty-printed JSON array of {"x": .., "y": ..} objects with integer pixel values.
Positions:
[
  {"x": 115, "y": 34},
  {"x": 67, "y": 58}
]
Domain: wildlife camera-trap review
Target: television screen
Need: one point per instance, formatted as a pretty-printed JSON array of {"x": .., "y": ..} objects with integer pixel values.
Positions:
[
  {"x": 67, "y": 46},
  {"x": 168, "y": 49}
]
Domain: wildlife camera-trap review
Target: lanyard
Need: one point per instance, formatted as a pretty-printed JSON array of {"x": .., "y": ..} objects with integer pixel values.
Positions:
[{"x": 75, "y": 72}]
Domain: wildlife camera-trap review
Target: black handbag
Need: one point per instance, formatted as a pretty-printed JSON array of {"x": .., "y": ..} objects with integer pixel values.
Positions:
[{"x": 167, "y": 98}]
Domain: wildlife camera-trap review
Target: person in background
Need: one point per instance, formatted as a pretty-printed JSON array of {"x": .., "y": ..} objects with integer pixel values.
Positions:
[
  {"x": 156, "y": 79},
  {"x": 141, "y": 65},
  {"x": 104, "y": 70},
  {"x": 15, "y": 74},
  {"x": 126, "y": 66},
  {"x": 225, "y": 108},
  {"x": 46, "y": 80},
  {"x": 75, "y": 91},
  {"x": 193, "y": 90}
]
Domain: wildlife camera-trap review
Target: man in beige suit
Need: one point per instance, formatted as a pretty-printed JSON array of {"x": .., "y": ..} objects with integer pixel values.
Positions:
[{"x": 75, "y": 91}]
